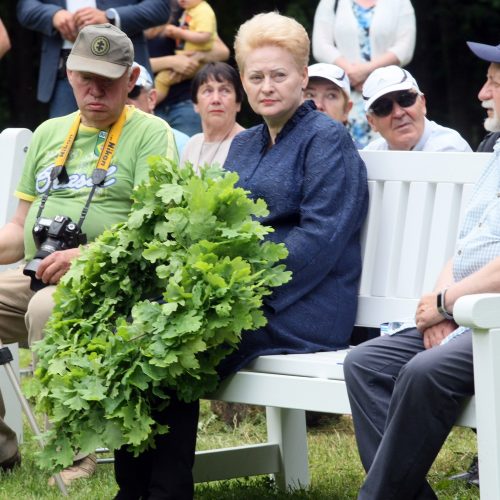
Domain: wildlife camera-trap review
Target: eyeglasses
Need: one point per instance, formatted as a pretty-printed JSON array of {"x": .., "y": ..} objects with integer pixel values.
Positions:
[
  {"x": 135, "y": 92},
  {"x": 383, "y": 106}
]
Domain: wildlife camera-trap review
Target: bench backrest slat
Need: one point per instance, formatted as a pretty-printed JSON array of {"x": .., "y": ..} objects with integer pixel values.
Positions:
[
  {"x": 13, "y": 148},
  {"x": 416, "y": 203}
]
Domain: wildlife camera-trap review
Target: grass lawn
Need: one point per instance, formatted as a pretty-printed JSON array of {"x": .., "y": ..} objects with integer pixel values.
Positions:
[{"x": 336, "y": 471}]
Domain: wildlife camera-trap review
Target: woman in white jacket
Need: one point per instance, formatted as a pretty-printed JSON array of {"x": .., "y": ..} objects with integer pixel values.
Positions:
[{"x": 360, "y": 36}]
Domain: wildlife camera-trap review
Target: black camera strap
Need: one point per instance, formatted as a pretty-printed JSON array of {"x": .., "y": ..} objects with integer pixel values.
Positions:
[{"x": 103, "y": 163}]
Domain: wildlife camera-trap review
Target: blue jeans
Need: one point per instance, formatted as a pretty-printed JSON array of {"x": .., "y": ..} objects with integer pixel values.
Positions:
[
  {"x": 63, "y": 101},
  {"x": 181, "y": 116}
]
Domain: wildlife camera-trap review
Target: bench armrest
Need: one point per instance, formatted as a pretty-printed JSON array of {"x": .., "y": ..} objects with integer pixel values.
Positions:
[
  {"x": 481, "y": 312},
  {"x": 478, "y": 311}
]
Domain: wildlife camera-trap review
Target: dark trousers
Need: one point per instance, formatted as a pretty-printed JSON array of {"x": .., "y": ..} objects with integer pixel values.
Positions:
[
  {"x": 164, "y": 472},
  {"x": 404, "y": 401}
]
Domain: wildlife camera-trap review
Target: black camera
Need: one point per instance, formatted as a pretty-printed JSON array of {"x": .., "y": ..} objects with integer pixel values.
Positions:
[{"x": 50, "y": 235}]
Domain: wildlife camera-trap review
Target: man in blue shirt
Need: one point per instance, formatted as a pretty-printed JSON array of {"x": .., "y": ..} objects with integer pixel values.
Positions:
[{"x": 406, "y": 390}]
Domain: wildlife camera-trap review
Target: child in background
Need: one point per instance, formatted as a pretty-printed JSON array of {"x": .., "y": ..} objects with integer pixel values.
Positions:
[{"x": 196, "y": 32}]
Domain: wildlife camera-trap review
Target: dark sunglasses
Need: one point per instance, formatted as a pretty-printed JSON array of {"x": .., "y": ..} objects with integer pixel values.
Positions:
[
  {"x": 135, "y": 92},
  {"x": 383, "y": 106}
]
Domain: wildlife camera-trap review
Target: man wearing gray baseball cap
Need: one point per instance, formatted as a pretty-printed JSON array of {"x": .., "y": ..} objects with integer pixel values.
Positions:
[{"x": 103, "y": 146}]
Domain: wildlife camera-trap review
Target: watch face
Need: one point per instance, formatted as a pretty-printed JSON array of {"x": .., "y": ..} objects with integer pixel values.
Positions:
[{"x": 110, "y": 15}]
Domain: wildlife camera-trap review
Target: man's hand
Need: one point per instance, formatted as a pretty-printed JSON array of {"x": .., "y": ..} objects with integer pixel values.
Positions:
[
  {"x": 55, "y": 265},
  {"x": 427, "y": 314},
  {"x": 89, "y": 15},
  {"x": 184, "y": 64},
  {"x": 358, "y": 73},
  {"x": 64, "y": 22},
  {"x": 172, "y": 31},
  {"x": 433, "y": 335},
  {"x": 154, "y": 32}
]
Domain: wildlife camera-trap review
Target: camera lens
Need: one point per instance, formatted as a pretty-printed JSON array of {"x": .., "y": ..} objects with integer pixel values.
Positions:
[{"x": 30, "y": 270}]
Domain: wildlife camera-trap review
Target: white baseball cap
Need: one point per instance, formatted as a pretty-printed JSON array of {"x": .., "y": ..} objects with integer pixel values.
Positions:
[
  {"x": 144, "y": 79},
  {"x": 331, "y": 72},
  {"x": 384, "y": 80}
]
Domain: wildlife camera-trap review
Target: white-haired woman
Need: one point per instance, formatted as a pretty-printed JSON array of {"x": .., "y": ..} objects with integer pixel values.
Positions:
[{"x": 306, "y": 168}]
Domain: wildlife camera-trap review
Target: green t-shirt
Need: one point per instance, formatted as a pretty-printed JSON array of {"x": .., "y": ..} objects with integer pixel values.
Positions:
[{"x": 143, "y": 135}]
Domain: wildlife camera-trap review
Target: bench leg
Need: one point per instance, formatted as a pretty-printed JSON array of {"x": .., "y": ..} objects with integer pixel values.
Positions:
[
  {"x": 487, "y": 388},
  {"x": 287, "y": 428}
]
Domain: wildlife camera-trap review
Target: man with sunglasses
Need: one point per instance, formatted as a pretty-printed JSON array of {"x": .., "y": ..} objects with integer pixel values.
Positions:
[
  {"x": 396, "y": 109},
  {"x": 406, "y": 390}
]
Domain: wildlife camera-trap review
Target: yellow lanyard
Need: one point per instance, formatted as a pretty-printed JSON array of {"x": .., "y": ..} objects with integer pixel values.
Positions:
[
  {"x": 103, "y": 163},
  {"x": 107, "y": 151}
]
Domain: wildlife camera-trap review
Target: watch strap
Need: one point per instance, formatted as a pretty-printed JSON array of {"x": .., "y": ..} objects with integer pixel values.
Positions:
[{"x": 440, "y": 304}]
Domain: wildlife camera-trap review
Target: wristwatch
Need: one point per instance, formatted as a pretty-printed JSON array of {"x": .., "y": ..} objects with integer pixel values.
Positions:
[
  {"x": 440, "y": 304},
  {"x": 111, "y": 15}
]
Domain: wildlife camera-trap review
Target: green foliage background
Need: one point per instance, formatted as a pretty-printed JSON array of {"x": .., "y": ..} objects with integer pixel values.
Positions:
[{"x": 447, "y": 72}]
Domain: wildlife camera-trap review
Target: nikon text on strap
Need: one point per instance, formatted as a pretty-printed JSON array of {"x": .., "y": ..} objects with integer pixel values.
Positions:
[{"x": 98, "y": 175}]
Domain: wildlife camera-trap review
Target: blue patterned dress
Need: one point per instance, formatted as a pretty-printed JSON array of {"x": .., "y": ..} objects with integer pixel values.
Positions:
[
  {"x": 314, "y": 184},
  {"x": 358, "y": 125}
]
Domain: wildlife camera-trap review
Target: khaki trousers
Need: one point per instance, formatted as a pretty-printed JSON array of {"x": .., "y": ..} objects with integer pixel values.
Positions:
[{"x": 23, "y": 315}]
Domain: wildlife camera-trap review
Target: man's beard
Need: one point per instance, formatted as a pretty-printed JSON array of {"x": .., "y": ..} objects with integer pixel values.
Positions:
[{"x": 491, "y": 124}]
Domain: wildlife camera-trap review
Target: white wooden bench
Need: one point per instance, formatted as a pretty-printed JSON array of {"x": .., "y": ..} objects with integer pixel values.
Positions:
[
  {"x": 416, "y": 202},
  {"x": 13, "y": 148}
]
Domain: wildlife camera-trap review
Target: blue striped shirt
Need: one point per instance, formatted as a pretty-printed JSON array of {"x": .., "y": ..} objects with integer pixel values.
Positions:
[{"x": 479, "y": 239}]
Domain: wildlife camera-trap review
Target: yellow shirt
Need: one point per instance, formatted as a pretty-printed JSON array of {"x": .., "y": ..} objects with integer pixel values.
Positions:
[{"x": 200, "y": 19}]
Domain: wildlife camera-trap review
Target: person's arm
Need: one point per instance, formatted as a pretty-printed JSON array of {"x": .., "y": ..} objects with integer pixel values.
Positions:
[
  {"x": 180, "y": 63},
  {"x": 53, "y": 267},
  {"x": 406, "y": 33},
  {"x": 218, "y": 52},
  {"x": 358, "y": 72},
  {"x": 432, "y": 335},
  {"x": 135, "y": 18},
  {"x": 4, "y": 40},
  {"x": 64, "y": 23},
  {"x": 186, "y": 63},
  {"x": 132, "y": 18},
  {"x": 486, "y": 279},
  {"x": 323, "y": 46},
  {"x": 38, "y": 16},
  {"x": 198, "y": 37},
  {"x": 12, "y": 235}
]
